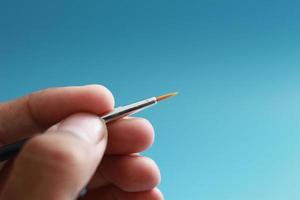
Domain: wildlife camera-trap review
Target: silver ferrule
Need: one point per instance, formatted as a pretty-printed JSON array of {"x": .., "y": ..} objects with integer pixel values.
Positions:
[{"x": 130, "y": 109}]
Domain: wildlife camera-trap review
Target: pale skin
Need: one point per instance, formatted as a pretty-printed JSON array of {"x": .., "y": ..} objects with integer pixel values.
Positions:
[{"x": 73, "y": 148}]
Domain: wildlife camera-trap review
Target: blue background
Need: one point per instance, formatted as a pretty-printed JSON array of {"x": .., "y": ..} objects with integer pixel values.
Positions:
[{"x": 231, "y": 134}]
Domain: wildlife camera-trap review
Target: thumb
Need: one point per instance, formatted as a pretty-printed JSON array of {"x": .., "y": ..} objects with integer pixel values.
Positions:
[{"x": 58, "y": 164}]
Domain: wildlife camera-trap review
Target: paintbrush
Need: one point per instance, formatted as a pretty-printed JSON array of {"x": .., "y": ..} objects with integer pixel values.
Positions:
[{"x": 9, "y": 151}]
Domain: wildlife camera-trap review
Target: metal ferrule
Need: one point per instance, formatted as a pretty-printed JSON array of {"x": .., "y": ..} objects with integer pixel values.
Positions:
[{"x": 130, "y": 109}]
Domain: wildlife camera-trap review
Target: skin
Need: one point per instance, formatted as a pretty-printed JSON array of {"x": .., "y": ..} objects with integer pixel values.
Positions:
[{"x": 76, "y": 148}]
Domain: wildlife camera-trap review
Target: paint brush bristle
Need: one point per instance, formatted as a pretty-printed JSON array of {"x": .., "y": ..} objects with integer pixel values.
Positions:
[{"x": 165, "y": 96}]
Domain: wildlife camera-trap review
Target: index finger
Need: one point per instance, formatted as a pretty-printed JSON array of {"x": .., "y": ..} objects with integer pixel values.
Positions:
[{"x": 36, "y": 112}]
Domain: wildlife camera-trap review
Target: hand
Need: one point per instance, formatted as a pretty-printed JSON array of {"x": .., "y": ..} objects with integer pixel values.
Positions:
[{"x": 58, "y": 164}]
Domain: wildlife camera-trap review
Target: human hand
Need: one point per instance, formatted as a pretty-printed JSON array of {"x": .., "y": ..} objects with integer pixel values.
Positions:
[{"x": 58, "y": 164}]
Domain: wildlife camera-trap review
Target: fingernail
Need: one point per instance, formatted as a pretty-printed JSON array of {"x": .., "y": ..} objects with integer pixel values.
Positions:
[{"x": 87, "y": 126}]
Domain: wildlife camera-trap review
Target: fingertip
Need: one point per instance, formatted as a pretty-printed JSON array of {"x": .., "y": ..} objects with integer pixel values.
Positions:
[
  {"x": 156, "y": 194},
  {"x": 153, "y": 194},
  {"x": 148, "y": 131},
  {"x": 152, "y": 172},
  {"x": 141, "y": 131},
  {"x": 131, "y": 173},
  {"x": 103, "y": 92},
  {"x": 130, "y": 135},
  {"x": 112, "y": 192},
  {"x": 86, "y": 126}
]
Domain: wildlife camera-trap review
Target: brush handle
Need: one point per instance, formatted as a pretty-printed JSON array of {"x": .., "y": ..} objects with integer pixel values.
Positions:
[{"x": 9, "y": 151}]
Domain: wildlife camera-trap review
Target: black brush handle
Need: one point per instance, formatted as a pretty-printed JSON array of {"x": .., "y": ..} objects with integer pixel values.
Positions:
[{"x": 9, "y": 151}]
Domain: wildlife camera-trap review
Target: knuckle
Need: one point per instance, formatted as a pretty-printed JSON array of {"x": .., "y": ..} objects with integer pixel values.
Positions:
[
  {"x": 68, "y": 156},
  {"x": 54, "y": 152}
]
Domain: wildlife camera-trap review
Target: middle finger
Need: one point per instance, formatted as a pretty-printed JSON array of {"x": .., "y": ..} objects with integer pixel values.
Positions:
[{"x": 129, "y": 135}]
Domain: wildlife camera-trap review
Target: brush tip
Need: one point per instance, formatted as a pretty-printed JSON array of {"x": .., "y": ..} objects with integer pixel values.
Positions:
[{"x": 166, "y": 96}]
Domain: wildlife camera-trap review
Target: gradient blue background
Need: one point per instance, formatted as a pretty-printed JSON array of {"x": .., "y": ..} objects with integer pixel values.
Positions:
[{"x": 233, "y": 132}]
